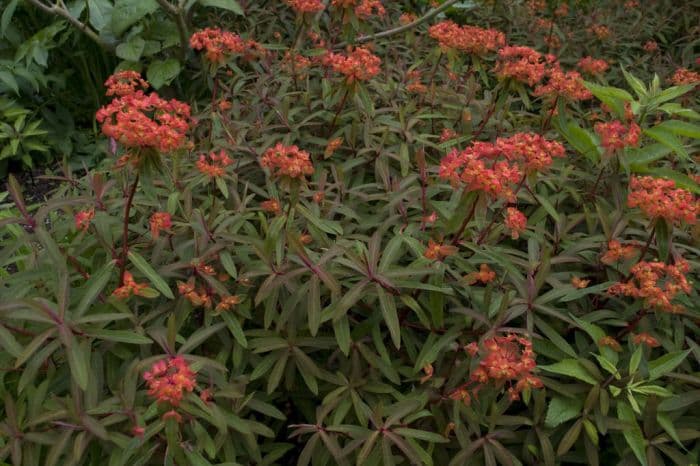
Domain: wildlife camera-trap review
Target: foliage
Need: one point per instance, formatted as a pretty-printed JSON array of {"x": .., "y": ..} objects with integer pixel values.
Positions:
[{"x": 394, "y": 253}]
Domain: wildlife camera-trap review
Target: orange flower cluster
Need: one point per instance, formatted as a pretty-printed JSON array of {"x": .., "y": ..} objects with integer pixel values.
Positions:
[
  {"x": 504, "y": 360},
  {"x": 197, "y": 296},
  {"x": 650, "y": 46},
  {"x": 129, "y": 288},
  {"x": 566, "y": 84},
  {"x": 124, "y": 83},
  {"x": 169, "y": 379},
  {"x": 615, "y": 135},
  {"x": 83, "y": 219},
  {"x": 579, "y": 283},
  {"x": 214, "y": 164},
  {"x": 295, "y": 64},
  {"x": 610, "y": 342},
  {"x": 219, "y": 45},
  {"x": 414, "y": 85},
  {"x": 683, "y": 76},
  {"x": 448, "y": 134},
  {"x": 617, "y": 252},
  {"x": 601, "y": 31},
  {"x": 562, "y": 10},
  {"x": 227, "y": 303},
  {"x": 271, "y": 206},
  {"x": 522, "y": 64},
  {"x": 364, "y": 9},
  {"x": 306, "y": 6},
  {"x": 138, "y": 120},
  {"x": 478, "y": 169},
  {"x": 437, "y": 251},
  {"x": 645, "y": 339},
  {"x": 287, "y": 161},
  {"x": 159, "y": 221},
  {"x": 515, "y": 221},
  {"x": 593, "y": 66},
  {"x": 332, "y": 146},
  {"x": 484, "y": 275},
  {"x": 657, "y": 284},
  {"x": 407, "y": 18},
  {"x": 469, "y": 39},
  {"x": 659, "y": 198},
  {"x": 358, "y": 65}
]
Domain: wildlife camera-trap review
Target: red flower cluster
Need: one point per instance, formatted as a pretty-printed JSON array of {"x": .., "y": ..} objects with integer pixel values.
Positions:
[
  {"x": 271, "y": 206},
  {"x": 645, "y": 339},
  {"x": 617, "y": 252},
  {"x": 287, "y": 161},
  {"x": 306, "y": 6},
  {"x": 83, "y": 219},
  {"x": 138, "y": 120},
  {"x": 220, "y": 44},
  {"x": 159, "y": 221},
  {"x": 414, "y": 84},
  {"x": 214, "y": 164},
  {"x": 601, "y": 31},
  {"x": 448, "y": 134},
  {"x": 124, "y": 83},
  {"x": 659, "y": 198},
  {"x": 437, "y": 251},
  {"x": 358, "y": 65},
  {"x": 168, "y": 379},
  {"x": 364, "y": 9},
  {"x": 522, "y": 64},
  {"x": 295, "y": 64},
  {"x": 593, "y": 66},
  {"x": 484, "y": 275},
  {"x": 615, "y": 135},
  {"x": 684, "y": 76},
  {"x": 129, "y": 288},
  {"x": 469, "y": 39},
  {"x": 657, "y": 284},
  {"x": 506, "y": 360},
  {"x": 650, "y": 46},
  {"x": 478, "y": 169},
  {"x": 198, "y": 297},
  {"x": 515, "y": 221},
  {"x": 407, "y": 18},
  {"x": 566, "y": 84}
]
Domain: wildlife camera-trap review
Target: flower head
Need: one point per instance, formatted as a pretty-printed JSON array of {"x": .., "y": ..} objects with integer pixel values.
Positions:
[
  {"x": 484, "y": 275},
  {"x": 437, "y": 251},
  {"x": 683, "y": 76},
  {"x": 84, "y": 218},
  {"x": 515, "y": 221},
  {"x": 579, "y": 283},
  {"x": 169, "y": 379},
  {"x": 287, "y": 161},
  {"x": 359, "y": 64},
  {"x": 593, "y": 66},
  {"x": 610, "y": 342},
  {"x": 617, "y": 252},
  {"x": 130, "y": 287},
  {"x": 522, "y": 64},
  {"x": 138, "y": 120},
  {"x": 650, "y": 46},
  {"x": 659, "y": 198},
  {"x": 214, "y": 165},
  {"x": 124, "y": 82},
  {"x": 219, "y": 45},
  {"x": 364, "y": 9},
  {"x": 306, "y": 6},
  {"x": 615, "y": 135},
  {"x": 645, "y": 339},
  {"x": 468, "y": 39},
  {"x": 159, "y": 221},
  {"x": 567, "y": 84},
  {"x": 272, "y": 206},
  {"x": 657, "y": 284}
]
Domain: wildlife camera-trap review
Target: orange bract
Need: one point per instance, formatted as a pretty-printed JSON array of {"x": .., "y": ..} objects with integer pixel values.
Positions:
[
  {"x": 169, "y": 379},
  {"x": 469, "y": 39},
  {"x": 659, "y": 198},
  {"x": 287, "y": 161},
  {"x": 358, "y": 64}
]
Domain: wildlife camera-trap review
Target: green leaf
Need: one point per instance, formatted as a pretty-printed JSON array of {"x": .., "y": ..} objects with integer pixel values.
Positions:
[
  {"x": 668, "y": 139},
  {"x": 636, "y": 84},
  {"x": 680, "y": 401},
  {"x": 100, "y": 13},
  {"x": 10, "y": 343},
  {"x": 235, "y": 327},
  {"x": 230, "y": 5},
  {"x": 571, "y": 368},
  {"x": 131, "y": 50},
  {"x": 646, "y": 155},
  {"x": 420, "y": 435},
  {"x": 6, "y": 17},
  {"x": 162, "y": 72},
  {"x": 121, "y": 336},
  {"x": 145, "y": 268},
  {"x": 199, "y": 337},
  {"x": 561, "y": 410},
  {"x": 391, "y": 317},
  {"x": 341, "y": 328},
  {"x": 9, "y": 80},
  {"x": 667, "y": 424},
  {"x": 681, "y": 128},
  {"x": 128, "y": 12},
  {"x": 79, "y": 362},
  {"x": 666, "y": 363},
  {"x": 633, "y": 434},
  {"x": 93, "y": 288}
]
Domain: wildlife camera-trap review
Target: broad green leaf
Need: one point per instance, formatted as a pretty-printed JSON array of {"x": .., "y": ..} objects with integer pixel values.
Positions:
[
  {"x": 93, "y": 288},
  {"x": 632, "y": 433},
  {"x": 122, "y": 336},
  {"x": 230, "y": 5},
  {"x": 128, "y": 12},
  {"x": 666, "y": 363},
  {"x": 562, "y": 409},
  {"x": 668, "y": 139},
  {"x": 162, "y": 72},
  {"x": 145, "y": 268},
  {"x": 391, "y": 317},
  {"x": 571, "y": 368}
]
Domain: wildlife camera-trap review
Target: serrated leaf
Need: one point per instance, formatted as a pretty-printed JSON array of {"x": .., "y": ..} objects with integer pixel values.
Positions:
[{"x": 561, "y": 410}]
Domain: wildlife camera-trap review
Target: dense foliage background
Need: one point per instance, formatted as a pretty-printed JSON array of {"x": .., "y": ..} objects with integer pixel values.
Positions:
[{"x": 349, "y": 231}]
